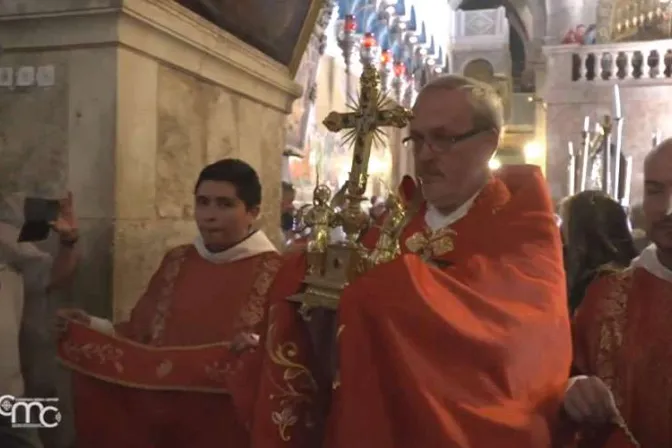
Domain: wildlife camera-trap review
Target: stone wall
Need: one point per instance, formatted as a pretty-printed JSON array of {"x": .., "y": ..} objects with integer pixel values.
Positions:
[{"x": 145, "y": 94}]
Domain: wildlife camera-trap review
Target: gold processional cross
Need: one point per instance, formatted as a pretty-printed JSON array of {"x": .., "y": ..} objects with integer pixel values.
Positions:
[
  {"x": 363, "y": 127},
  {"x": 331, "y": 267}
]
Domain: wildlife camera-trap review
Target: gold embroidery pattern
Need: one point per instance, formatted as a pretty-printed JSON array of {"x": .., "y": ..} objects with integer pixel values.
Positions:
[
  {"x": 218, "y": 372},
  {"x": 611, "y": 331},
  {"x": 164, "y": 368},
  {"x": 298, "y": 382},
  {"x": 336, "y": 383},
  {"x": 253, "y": 312},
  {"x": 105, "y": 353},
  {"x": 171, "y": 269},
  {"x": 428, "y": 244}
]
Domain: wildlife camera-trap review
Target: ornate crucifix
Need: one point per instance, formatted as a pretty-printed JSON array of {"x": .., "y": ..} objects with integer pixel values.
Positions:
[
  {"x": 364, "y": 125},
  {"x": 330, "y": 269}
]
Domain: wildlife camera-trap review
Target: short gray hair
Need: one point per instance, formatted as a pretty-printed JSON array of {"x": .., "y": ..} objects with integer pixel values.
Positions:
[{"x": 488, "y": 111}]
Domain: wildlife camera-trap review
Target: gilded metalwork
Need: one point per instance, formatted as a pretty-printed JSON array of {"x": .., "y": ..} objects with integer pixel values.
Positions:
[
  {"x": 601, "y": 164},
  {"x": 428, "y": 244},
  {"x": 632, "y": 20},
  {"x": 388, "y": 247},
  {"x": 332, "y": 266}
]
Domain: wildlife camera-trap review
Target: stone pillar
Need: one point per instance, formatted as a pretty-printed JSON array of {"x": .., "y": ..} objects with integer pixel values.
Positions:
[{"x": 144, "y": 93}]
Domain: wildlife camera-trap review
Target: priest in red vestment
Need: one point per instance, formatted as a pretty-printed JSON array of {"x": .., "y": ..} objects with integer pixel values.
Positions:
[
  {"x": 622, "y": 333},
  {"x": 463, "y": 341},
  {"x": 159, "y": 380}
]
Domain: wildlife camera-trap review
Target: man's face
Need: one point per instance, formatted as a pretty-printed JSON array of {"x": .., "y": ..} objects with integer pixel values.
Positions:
[
  {"x": 451, "y": 156},
  {"x": 221, "y": 217},
  {"x": 657, "y": 203},
  {"x": 287, "y": 204}
]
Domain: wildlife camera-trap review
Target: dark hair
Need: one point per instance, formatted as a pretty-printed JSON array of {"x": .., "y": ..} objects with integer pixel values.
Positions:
[
  {"x": 238, "y": 173},
  {"x": 288, "y": 188},
  {"x": 597, "y": 239}
]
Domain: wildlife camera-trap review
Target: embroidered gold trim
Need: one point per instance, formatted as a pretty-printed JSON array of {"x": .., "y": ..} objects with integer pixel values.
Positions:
[
  {"x": 103, "y": 353},
  {"x": 298, "y": 382},
  {"x": 253, "y": 312},
  {"x": 74, "y": 367},
  {"x": 171, "y": 270},
  {"x": 611, "y": 332}
]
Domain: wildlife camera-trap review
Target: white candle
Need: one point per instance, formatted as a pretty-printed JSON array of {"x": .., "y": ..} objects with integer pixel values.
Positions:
[
  {"x": 586, "y": 124},
  {"x": 571, "y": 180},
  {"x": 628, "y": 181},
  {"x": 617, "y": 101}
]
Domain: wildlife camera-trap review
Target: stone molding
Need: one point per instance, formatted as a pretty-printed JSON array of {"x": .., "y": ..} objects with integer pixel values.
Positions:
[{"x": 162, "y": 30}]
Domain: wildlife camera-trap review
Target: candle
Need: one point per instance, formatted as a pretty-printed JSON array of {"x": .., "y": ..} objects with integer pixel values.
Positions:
[
  {"x": 586, "y": 124},
  {"x": 625, "y": 202},
  {"x": 617, "y": 101},
  {"x": 571, "y": 181}
]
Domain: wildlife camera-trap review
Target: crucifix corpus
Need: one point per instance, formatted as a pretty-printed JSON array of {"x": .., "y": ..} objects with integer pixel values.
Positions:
[{"x": 332, "y": 265}]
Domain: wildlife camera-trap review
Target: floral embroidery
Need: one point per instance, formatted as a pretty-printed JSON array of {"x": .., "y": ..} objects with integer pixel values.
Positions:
[
  {"x": 254, "y": 310},
  {"x": 164, "y": 368},
  {"x": 218, "y": 372},
  {"x": 105, "y": 353},
  {"x": 298, "y": 386},
  {"x": 611, "y": 331},
  {"x": 170, "y": 271}
]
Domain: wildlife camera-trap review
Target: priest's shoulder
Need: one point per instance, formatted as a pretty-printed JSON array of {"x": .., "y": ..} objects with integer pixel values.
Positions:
[
  {"x": 517, "y": 177},
  {"x": 178, "y": 252},
  {"x": 610, "y": 286},
  {"x": 611, "y": 275}
]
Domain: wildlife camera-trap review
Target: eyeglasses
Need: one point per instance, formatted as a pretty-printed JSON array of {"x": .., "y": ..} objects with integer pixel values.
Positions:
[{"x": 415, "y": 142}]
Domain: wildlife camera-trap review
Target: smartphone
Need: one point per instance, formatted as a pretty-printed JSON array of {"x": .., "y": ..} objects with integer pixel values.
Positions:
[{"x": 38, "y": 213}]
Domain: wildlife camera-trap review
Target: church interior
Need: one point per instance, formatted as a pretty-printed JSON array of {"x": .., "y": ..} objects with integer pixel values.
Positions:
[{"x": 123, "y": 102}]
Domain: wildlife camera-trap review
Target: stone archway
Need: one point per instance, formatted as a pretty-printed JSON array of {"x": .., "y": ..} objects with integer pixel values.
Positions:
[
  {"x": 527, "y": 20},
  {"x": 481, "y": 70}
]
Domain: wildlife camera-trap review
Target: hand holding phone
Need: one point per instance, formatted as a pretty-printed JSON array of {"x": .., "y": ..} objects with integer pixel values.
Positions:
[{"x": 38, "y": 213}]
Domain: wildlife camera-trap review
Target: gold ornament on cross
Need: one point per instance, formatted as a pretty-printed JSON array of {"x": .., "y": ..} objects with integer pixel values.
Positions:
[{"x": 331, "y": 269}]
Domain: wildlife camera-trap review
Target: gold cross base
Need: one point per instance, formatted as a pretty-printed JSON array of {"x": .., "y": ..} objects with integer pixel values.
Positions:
[{"x": 323, "y": 287}]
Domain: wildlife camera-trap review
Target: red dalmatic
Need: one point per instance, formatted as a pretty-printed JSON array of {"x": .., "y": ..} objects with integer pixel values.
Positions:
[
  {"x": 622, "y": 334},
  {"x": 165, "y": 378}
]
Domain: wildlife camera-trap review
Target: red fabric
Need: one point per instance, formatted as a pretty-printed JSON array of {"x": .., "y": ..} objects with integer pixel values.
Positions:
[
  {"x": 291, "y": 397},
  {"x": 618, "y": 438},
  {"x": 474, "y": 354},
  {"x": 164, "y": 380},
  {"x": 122, "y": 361},
  {"x": 407, "y": 189},
  {"x": 109, "y": 415},
  {"x": 622, "y": 335}
]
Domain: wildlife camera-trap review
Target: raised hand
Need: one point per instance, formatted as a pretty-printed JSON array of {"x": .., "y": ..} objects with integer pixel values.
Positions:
[
  {"x": 66, "y": 223},
  {"x": 64, "y": 317}
]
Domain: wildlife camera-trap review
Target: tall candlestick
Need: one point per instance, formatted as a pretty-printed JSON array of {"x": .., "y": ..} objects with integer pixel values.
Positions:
[
  {"x": 585, "y": 157},
  {"x": 571, "y": 180},
  {"x": 618, "y": 143},
  {"x": 617, "y": 102},
  {"x": 625, "y": 202}
]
